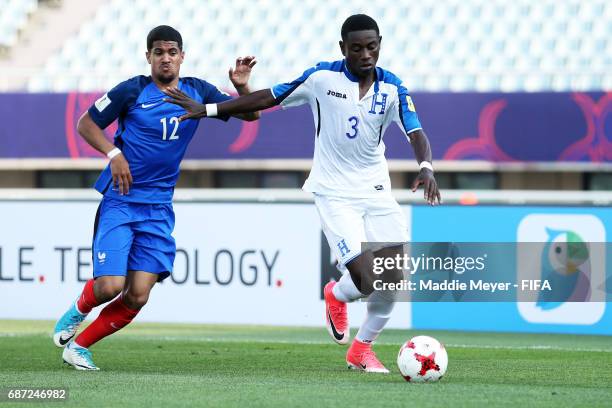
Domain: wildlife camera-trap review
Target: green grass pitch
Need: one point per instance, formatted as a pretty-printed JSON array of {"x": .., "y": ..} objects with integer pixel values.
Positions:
[{"x": 150, "y": 365}]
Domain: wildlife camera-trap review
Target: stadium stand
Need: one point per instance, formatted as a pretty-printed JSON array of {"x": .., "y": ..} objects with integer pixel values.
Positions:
[
  {"x": 454, "y": 45},
  {"x": 13, "y": 18}
]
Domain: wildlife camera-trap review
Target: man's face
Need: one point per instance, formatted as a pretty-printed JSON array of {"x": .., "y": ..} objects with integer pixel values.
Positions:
[
  {"x": 165, "y": 58},
  {"x": 360, "y": 49}
]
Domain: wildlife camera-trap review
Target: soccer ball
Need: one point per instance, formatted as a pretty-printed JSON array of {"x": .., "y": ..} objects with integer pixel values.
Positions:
[{"x": 422, "y": 359}]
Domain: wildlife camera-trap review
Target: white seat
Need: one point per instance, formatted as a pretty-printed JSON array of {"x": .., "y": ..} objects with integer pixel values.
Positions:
[
  {"x": 487, "y": 82},
  {"x": 486, "y": 45}
]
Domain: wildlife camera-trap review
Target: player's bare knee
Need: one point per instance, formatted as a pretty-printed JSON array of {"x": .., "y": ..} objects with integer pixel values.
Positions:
[
  {"x": 135, "y": 300},
  {"x": 105, "y": 290},
  {"x": 391, "y": 273},
  {"x": 361, "y": 273}
]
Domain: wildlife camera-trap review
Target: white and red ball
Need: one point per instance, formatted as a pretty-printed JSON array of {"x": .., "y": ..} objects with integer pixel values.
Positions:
[{"x": 422, "y": 359}]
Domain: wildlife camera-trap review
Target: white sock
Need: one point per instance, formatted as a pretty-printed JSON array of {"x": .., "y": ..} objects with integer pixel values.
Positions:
[
  {"x": 345, "y": 290},
  {"x": 379, "y": 312}
]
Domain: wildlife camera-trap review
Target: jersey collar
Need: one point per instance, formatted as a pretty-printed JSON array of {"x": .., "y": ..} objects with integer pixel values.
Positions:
[
  {"x": 377, "y": 77},
  {"x": 350, "y": 76},
  {"x": 348, "y": 73}
]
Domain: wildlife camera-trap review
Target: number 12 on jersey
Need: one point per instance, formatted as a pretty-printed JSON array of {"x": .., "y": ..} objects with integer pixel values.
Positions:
[{"x": 173, "y": 120}]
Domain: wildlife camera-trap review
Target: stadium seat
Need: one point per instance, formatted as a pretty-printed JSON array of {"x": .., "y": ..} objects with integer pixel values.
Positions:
[
  {"x": 13, "y": 18},
  {"x": 519, "y": 45}
]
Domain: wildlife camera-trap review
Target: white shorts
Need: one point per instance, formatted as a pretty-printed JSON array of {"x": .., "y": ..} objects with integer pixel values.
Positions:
[{"x": 347, "y": 222}]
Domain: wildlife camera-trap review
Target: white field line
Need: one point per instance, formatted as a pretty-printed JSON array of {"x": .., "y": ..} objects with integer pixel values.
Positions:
[
  {"x": 191, "y": 338},
  {"x": 321, "y": 342}
]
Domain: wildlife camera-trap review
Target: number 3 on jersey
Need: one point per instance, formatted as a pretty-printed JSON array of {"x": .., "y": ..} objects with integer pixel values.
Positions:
[
  {"x": 173, "y": 120},
  {"x": 354, "y": 121}
]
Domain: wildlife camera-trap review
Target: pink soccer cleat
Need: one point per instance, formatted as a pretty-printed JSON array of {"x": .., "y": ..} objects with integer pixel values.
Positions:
[
  {"x": 336, "y": 316},
  {"x": 361, "y": 357}
]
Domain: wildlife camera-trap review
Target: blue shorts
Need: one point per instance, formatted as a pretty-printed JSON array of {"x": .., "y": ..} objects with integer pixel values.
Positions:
[{"x": 133, "y": 237}]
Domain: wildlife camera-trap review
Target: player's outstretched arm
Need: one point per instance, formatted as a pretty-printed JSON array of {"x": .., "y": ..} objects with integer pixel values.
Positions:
[
  {"x": 256, "y": 101},
  {"x": 94, "y": 136},
  {"x": 422, "y": 152},
  {"x": 239, "y": 75}
]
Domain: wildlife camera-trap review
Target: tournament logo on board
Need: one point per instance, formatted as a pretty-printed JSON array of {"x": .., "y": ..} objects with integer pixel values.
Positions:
[{"x": 568, "y": 250}]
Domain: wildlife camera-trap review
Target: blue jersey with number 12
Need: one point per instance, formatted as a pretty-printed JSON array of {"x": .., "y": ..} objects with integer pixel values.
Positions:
[{"x": 149, "y": 134}]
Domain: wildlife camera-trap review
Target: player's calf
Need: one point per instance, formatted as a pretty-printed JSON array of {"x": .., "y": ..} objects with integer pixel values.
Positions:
[{"x": 95, "y": 292}]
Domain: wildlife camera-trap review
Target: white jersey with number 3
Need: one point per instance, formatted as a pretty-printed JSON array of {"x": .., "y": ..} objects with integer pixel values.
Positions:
[{"x": 349, "y": 155}]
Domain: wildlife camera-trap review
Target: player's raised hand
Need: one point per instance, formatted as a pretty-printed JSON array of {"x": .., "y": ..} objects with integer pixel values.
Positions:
[
  {"x": 122, "y": 177},
  {"x": 430, "y": 186},
  {"x": 240, "y": 74},
  {"x": 195, "y": 110}
]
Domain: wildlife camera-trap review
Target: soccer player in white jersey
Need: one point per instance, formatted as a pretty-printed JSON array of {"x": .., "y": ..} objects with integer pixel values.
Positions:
[{"x": 353, "y": 102}]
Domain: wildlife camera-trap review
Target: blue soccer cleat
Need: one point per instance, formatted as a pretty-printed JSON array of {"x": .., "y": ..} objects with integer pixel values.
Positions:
[
  {"x": 78, "y": 357},
  {"x": 67, "y": 325}
]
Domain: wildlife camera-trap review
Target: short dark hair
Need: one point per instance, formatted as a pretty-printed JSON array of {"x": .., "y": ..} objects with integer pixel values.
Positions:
[
  {"x": 358, "y": 22},
  {"x": 164, "y": 33}
]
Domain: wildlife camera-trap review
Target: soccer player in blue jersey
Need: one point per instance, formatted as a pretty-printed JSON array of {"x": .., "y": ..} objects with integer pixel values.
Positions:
[
  {"x": 353, "y": 102},
  {"x": 133, "y": 247}
]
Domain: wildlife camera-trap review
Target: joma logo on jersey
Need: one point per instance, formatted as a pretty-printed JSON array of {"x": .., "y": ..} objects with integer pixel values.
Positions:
[
  {"x": 336, "y": 94},
  {"x": 379, "y": 101}
]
